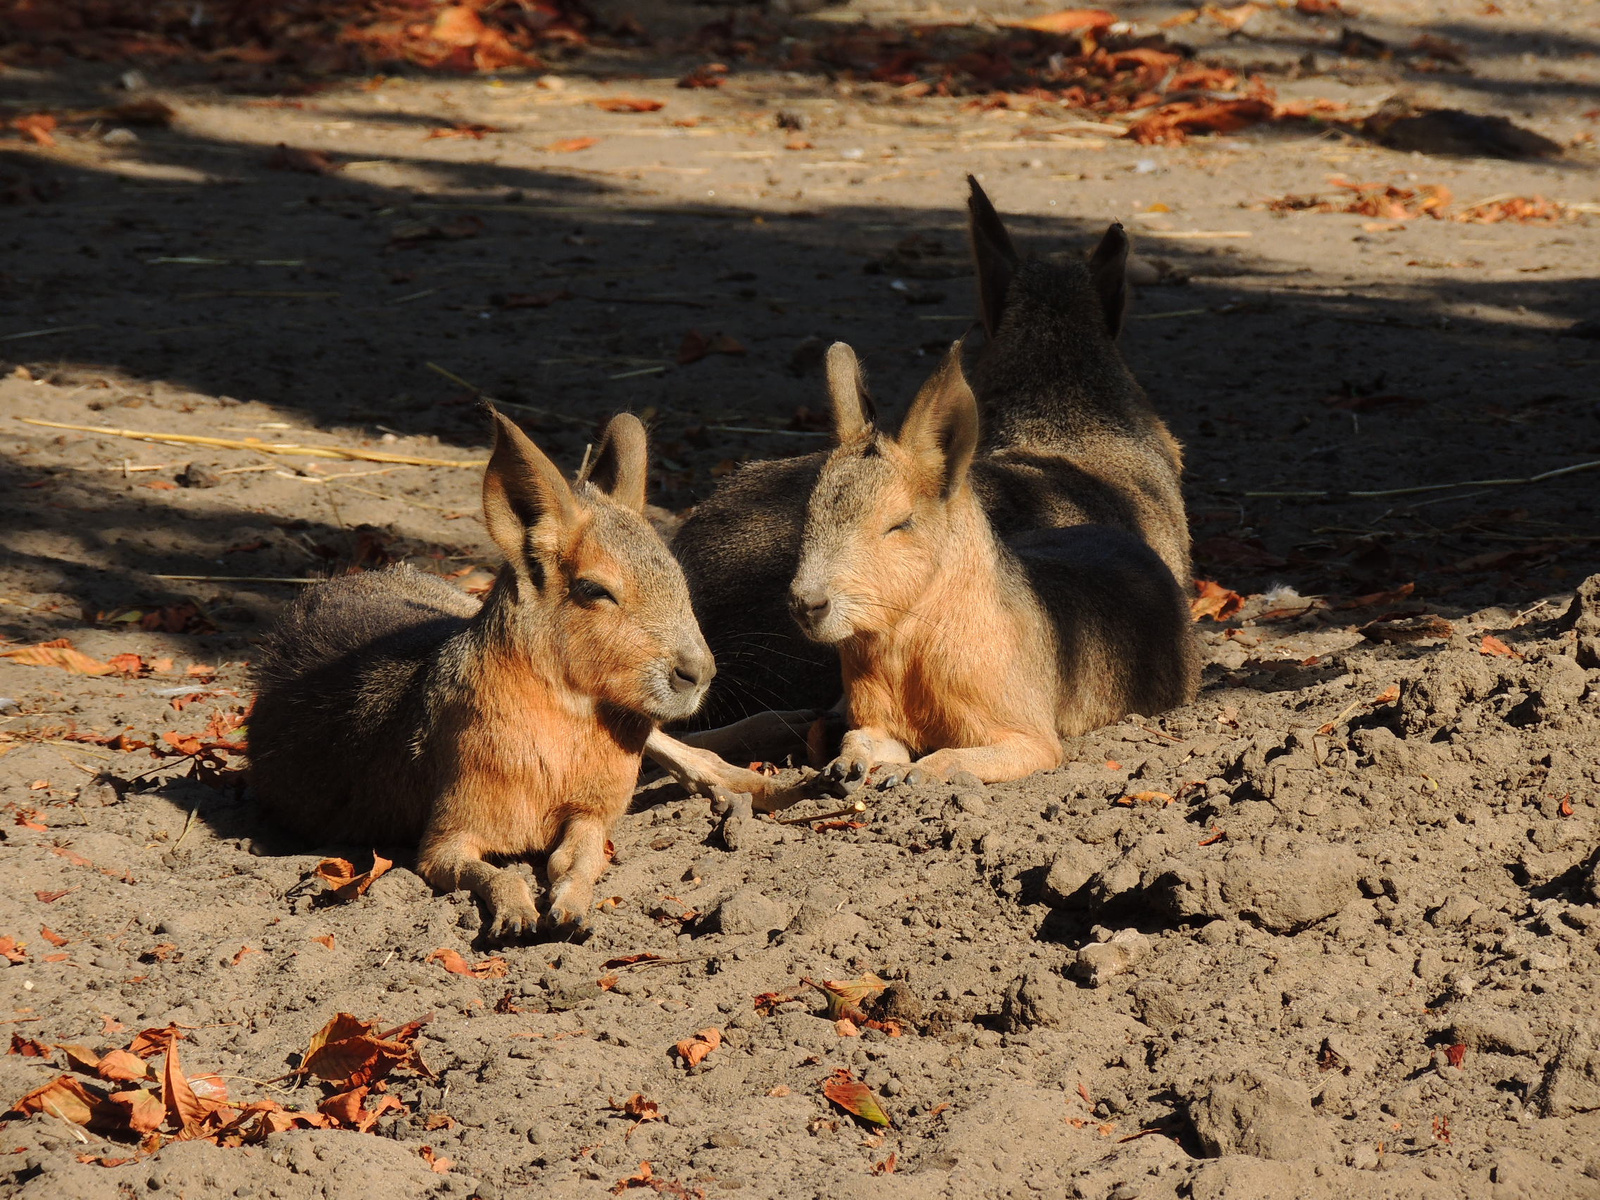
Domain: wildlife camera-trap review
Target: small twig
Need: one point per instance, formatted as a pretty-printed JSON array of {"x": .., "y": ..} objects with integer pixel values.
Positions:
[
  {"x": 189, "y": 439},
  {"x": 187, "y": 825},
  {"x": 238, "y": 579},
  {"x": 774, "y": 432},
  {"x": 854, "y": 809},
  {"x": 1438, "y": 487},
  {"x": 480, "y": 394}
]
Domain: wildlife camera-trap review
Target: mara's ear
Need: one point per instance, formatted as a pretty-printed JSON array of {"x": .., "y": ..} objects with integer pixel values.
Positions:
[
  {"x": 941, "y": 430},
  {"x": 523, "y": 492},
  {"x": 993, "y": 256},
  {"x": 1108, "y": 267},
  {"x": 852, "y": 407},
  {"x": 619, "y": 467}
]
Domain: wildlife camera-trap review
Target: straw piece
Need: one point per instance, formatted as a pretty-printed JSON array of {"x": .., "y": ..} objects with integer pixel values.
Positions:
[{"x": 189, "y": 439}]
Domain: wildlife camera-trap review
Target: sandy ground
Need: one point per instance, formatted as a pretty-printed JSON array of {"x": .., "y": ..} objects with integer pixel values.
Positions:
[{"x": 1363, "y": 932}]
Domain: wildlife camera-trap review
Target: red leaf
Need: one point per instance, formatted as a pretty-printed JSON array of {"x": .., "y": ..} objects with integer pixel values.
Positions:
[
  {"x": 636, "y": 104},
  {"x": 1454, "y": 1054}
]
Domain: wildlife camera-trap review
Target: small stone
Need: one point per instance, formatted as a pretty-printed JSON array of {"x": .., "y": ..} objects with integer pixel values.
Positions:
[
  {"x": 971, "y": 804},
  {"x": 1571, "y": 1081},
  {"x": 898, "y": 1002},
  {"x": 1251, "y": 1111},
  {"x": 198, "y": 475},
  {"x": 1099, "y": 961},
  {"x": 1035, "y": 998},
  {"x": 1071, "y": 868},
  {"x": 120, "y": 136},
  {"x": 966, "y": 779},
  {"x": 1457, "y": 909},
  {"x": 748, "y": 911}
]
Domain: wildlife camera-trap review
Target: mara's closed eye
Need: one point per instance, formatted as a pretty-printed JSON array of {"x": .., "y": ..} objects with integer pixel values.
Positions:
[
  {"x": 587, "y": 591},
  {"x": 900, "y": 526}
]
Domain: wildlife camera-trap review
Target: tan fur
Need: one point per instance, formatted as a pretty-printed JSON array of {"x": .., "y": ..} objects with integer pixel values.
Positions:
[
  {"x": 952, "y": 656},
  {"x": 516, "y": 729}
]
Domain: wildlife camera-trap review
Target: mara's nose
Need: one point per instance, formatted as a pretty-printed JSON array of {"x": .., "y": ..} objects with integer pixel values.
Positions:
[
  {"x": 809, "y": 605},
  {"x": 694, "y": 669}
]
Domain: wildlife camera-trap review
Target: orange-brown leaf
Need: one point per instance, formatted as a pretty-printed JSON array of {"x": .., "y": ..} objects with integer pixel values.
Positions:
[
  {"x": 51, "y": 936},
  {"x": 344, "y": 882},
  {"x": 64, "y": 1097},
  {"x": 28, "y": 1047},
  {"x": 12, "y": 951},
  {"x": 119, "y": 1066},
  {"x": 1493, "y": 645},
  {"x": 325, "y": 939},
  {"x": 1068, "y": 20},
  {"x": 150, "y": 1042},
  {"x": 490, "y": 968},
  {"x": 1214, "y": 601},
  {"x": 854, "y": 1097},
  {"x": 439, "y": 1164},
  {"x": 183, "y": 1107},
  {"x": 58, "y": 653},
  {"x": 693, "y": 1050},
  {"x": 141, "y": 1109},
  {"x": 632, "y": 104},
  {"x": 568, "y": 145}
]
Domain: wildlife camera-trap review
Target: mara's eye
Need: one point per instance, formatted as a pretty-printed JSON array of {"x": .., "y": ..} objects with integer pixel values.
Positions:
[
  {"x": 587, "y": 591},
  {"x": 900, "y": 526}
]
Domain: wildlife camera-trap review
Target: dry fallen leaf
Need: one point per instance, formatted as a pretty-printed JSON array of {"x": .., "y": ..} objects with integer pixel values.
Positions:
[
  {"x": 1214, "y": 601},
  {"x": 348, "y": 1052},
  {"x": 11, "y": 950},
  {"x": 1493, "y": 645},
  {"x": 68, "y": 1099},
  {"x": 325, "y": 939},
  {"x": 441, "y": 1165},
  {"x": 183, "y": 1106},
  {"x": 309, "y": 162},
  {"x": 694, "y": 1050},
  {"x": 854, "y": 1097},
  {"x": 58, "y": 653},
  {"x": 1069, "y": 20},
  {"x": 631, "y": 104},
  {"x": 845, "y": 997},
  {"x": 343, "y": 881},
  {"x": 568, "y": 145},
  {"x": 489, "y": 968},
  {"x": 463, "y": 129}
]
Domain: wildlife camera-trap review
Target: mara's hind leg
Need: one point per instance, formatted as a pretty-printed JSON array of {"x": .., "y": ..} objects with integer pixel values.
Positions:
[
  {"x": 574, "y": 867},
  {"x": 1009, "y": 758},
  {"x": 450, "y": 860}
]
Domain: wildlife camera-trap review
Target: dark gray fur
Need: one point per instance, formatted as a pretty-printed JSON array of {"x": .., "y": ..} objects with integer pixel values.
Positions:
[
  {"x": 346, "y": 681},
  {"x": 1069, "y": 438}
]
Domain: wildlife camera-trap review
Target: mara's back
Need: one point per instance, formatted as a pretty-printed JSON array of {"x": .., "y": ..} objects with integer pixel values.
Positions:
[
  {"x": 1069, "y": 435},
  {"x": 335, "y": 696}
]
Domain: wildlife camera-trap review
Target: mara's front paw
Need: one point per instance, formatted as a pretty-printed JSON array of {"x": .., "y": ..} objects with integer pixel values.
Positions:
[
  {"x": 512, "y": 913},
  {"x": 568, "y": 914},
  {"x": 847, "y": 772}
]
